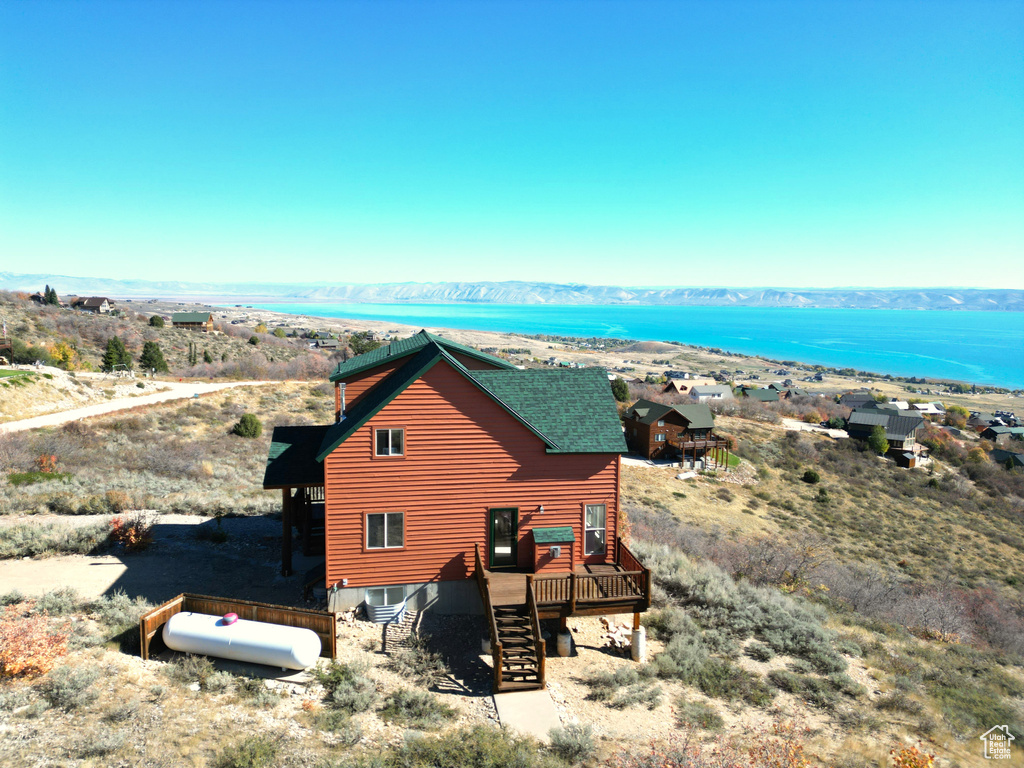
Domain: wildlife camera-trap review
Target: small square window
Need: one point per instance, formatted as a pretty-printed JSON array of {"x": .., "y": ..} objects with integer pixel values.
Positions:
[
  {"x": 389, "y": 442},
  {"x": 659, "y": 438},
  {"x": 385, "y": 530},
  {"x": 661, "y": 422}
]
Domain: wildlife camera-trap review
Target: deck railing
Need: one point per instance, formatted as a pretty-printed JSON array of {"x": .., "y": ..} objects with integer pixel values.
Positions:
[
  {"x": 631, "y": 583},
  {"x": 485, "y": 596},
  {"x": 540, "y": 646}
]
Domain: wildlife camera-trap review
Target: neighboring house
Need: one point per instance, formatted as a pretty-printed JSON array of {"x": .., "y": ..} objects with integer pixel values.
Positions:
[
  {"x": 930, "y": 409},
  {"x": 704, "y": 393},
  {"x": 793, "y": 392},
  {"x": 659, "y": 431},
  {"x": 452, "y": 479},
  {"x": 1008, "y": 459},
  {"x": 99, "y": 305},
  {"x": 761, "y": 395},
  {"x": 900, "y": 429},
  {"x": 685, "y": 386},
  {"x": 856, "y": 399},
  {"x": 193, "y": 321},
  {"x": 38, "y": 298},
  {"x": 1003, "y": 435},
  {"x": 327, "y": 344}
]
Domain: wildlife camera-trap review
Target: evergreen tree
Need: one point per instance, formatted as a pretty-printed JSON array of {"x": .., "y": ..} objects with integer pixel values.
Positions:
[
  {"x": 621, "y": 390},
  {"x": 156, "y": 321},
  {"x": 152, "y": 357},
  {"x": 193, "y": 356},
  {"x": 207, "y": 357},
  {"x": 50, "y": 296},
  {"x": 115, "y": 355}
]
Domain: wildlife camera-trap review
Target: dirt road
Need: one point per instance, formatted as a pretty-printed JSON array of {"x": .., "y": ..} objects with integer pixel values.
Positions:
[{"x": 175, "y": 391}]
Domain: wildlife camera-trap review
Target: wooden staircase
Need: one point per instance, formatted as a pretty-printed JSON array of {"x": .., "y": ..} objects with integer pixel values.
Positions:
[
  {"x": 517, "y": 648},
  {"x": 520, "y": 668}
]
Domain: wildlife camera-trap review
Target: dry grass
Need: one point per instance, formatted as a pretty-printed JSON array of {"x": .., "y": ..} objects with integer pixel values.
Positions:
[{"x": 175, "y": 457}]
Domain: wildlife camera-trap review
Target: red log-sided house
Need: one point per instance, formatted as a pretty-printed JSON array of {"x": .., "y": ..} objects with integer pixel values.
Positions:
[
  {"x": 450, "y": 478},
  {"x": 684, "y": 432}
]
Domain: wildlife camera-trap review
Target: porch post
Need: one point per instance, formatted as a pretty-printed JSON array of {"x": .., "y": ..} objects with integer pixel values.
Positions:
[{"x": 286, "y": 531}]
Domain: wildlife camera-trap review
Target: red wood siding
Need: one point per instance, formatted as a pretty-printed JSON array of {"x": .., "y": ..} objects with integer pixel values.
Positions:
[
  {"x": 358, "y": 385},
  {"x": 361, "y": 383},
  {"x": 463, "y": 455}
]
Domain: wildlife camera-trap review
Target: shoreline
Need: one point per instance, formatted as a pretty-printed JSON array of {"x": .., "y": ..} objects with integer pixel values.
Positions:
[{"x": 640, "y": 354}]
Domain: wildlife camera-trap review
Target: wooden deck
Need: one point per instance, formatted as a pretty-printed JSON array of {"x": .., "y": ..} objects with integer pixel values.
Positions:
[
  {"x": 589, "y": 590},
  {"x": 515, "y": 603}
]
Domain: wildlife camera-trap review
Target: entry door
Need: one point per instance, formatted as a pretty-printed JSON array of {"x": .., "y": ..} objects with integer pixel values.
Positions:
[{"x": 504, "y": 535}]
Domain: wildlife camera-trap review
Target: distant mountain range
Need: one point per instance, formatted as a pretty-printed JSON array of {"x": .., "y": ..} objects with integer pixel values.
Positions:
[{"x": 516, "y": 292}]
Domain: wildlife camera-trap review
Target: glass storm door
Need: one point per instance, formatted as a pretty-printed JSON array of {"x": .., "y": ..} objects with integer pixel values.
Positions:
[{"x": 504, "y": 533}]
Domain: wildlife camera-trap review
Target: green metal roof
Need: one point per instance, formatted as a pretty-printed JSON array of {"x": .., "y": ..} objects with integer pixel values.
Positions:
[
  {"x": 291, "y": 462},
  {"x": 190, "y": 317},
  {"x": 406, "y": 347},
  {"x": 570, "y": 410},
  {"x": 573, "y": 407},
  {"x": 553, "y": 535}
]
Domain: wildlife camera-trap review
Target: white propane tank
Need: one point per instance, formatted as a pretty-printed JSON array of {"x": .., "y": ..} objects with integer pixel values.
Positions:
[{"x": 232, "y": 638}]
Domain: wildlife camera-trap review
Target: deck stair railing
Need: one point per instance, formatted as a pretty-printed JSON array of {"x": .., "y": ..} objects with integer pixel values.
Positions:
[
  {"x": 485, "y": 596},
  {"x": 539, "y": 644}
]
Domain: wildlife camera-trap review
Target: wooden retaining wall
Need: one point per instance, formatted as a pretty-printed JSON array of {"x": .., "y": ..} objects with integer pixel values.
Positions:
[{"x": 320, "y": 622}]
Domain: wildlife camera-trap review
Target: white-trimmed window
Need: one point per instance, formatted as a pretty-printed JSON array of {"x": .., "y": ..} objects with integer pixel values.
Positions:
[
  {"x": 661, "y": 422},
  {"x": 385, "y": 595},
  {"x": 659, "y": 438},
  {"x": 595, "y": 529},
  {"x": 389, "y": 442},
  {"x": 385, "y": 530}
]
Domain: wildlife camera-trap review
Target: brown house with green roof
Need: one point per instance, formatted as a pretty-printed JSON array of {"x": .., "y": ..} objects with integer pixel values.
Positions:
[
  {"x": 452, "y": 480},
  {"x": 659, "y": 431},
  {"x": 193, "y": 321}
]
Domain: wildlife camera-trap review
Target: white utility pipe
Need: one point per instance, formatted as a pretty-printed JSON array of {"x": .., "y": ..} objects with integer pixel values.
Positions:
[{"x": 233, "y": 638}]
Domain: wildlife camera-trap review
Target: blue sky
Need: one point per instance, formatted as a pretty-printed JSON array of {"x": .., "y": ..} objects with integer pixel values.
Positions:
[{"x": 636, "y": 143}]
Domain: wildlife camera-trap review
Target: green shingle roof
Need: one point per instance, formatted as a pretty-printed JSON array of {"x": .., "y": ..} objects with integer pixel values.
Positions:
[
  {"x": 406, "y": 347},
  {"x": 553, "y": 535},
  {"x": 292, "y": 462},
  {"x": 698, "y": 416},
  {"x": 764, "y": 395},
  {"x": 573, "y": 407},
  {"x": 190, "y": 317},
  {"x": 571, "y": 410}
]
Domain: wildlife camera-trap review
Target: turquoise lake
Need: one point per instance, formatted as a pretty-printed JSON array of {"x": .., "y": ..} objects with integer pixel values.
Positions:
[{"x": 976, "y": 347}]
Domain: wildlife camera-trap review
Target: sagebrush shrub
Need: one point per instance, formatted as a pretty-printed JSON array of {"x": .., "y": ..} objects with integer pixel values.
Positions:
[
  {"x": 347, "y": 687},
  {"x": 625, "y": 687},
  {"x": 417, "y": 662},
  {"x": 478, "y": 747},
  {"x": 574, "y": 743},
  {"x": 697, "y": 714},
  {"x": 759, "y": 651},
  {"x": 418, "y": 709},
  {"x": 189, "y": 669},
  {"x": 70, "y": 688},
  {"x": 57, "y": 602},
  {"x": 253, "y": 752}
]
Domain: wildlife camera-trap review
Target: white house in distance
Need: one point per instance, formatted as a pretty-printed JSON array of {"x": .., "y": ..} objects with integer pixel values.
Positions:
[{"x": 712, "y": 392}]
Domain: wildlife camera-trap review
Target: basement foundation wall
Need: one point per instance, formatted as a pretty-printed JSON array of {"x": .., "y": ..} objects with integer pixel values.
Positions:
[{"x": 459, "y": 597}]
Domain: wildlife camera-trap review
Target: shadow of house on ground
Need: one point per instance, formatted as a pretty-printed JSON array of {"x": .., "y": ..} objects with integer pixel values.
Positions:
[{"x": 235, "y": 557}]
